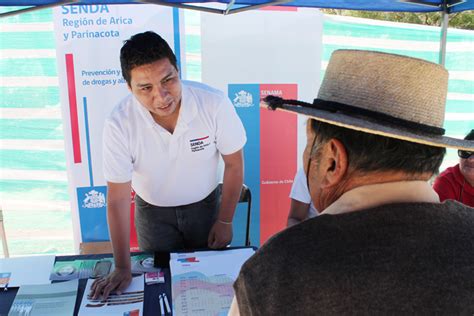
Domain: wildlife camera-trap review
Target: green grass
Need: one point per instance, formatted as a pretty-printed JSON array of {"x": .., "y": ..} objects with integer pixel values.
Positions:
[
  {"x": 458, "y": 106},
  {"x": 44, "y": 15},
  {"x": 462, "y": 86},
  {"x": 27, "y": 40},
  {"x": 24, "y": 67},
  {"x": 340, "y": 28},
  {"x": 34, "y": 190},
  {"x": 29, "y": 97},
  {"x": 31, "y": 129},
  {"x": 22, "y": 247},
  {"x": 33, "y": 160}
]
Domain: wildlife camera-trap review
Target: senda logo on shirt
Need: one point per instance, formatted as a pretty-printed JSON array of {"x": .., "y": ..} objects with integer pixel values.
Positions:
[{"x": 199, "y": 144}]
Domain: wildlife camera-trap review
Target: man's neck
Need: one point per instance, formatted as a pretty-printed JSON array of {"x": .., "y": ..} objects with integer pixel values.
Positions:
[
  {"x": 168, "y": 122},
  {"x": 373, "y": 195}
]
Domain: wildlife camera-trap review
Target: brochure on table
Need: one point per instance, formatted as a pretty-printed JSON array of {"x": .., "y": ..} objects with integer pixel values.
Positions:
[
  {"x": 130, "y": 302},
  {"x": 45, "y": 299}
]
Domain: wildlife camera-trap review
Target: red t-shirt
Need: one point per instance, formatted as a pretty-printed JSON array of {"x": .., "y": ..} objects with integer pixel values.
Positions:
[{"x": 450, "y": 184}]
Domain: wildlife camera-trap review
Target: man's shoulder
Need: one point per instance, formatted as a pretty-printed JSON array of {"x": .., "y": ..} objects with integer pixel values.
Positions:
[
  {"x": 458, "y": 210},
  {"x": 122, "y": 110},
  {"x": 286, "y": 244},
  {"x": 323, "y": 228},
  {"x": 320, "y": 243},
  {"x": 200, "y": 88}
]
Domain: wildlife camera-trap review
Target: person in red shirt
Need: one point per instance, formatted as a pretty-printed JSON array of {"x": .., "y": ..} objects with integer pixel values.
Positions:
[{"x": 457, "y": 182}]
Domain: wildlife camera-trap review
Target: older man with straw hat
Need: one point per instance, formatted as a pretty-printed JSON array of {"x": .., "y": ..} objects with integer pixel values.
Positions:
[{"x": 383, "y": 244}]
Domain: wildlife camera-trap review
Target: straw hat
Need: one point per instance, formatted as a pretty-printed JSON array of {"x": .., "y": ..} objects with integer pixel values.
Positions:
[{"x": 383, "y": 94}]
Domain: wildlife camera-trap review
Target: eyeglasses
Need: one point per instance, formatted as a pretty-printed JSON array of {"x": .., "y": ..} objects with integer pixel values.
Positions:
[{"x": 464, "y": 154}]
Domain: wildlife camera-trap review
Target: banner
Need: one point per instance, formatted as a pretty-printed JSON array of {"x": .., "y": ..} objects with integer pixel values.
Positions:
[
  {"x": 250, "y": 55},
  {"x": 88, "y": 41}
]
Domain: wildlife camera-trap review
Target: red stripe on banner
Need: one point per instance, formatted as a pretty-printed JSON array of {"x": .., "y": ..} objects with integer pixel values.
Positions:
[
  {"x": 278, "y": 157},
  {"x": 71, "y": 88}
]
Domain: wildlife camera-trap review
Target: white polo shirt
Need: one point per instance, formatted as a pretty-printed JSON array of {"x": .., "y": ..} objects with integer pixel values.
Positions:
[
  {"x": 299, "y": 192},
  {"x": 172, "y": 169}
]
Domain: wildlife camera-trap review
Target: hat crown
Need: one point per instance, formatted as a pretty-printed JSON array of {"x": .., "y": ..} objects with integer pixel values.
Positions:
[{"x": 403, "y": 87}]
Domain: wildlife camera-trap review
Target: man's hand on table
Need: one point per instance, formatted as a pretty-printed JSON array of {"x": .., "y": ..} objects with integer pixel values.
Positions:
[{"x": 118, "y": 280}]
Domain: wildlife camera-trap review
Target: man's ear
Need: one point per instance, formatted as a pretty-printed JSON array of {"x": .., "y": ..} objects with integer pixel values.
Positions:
[{"x": 334, "y": 163}]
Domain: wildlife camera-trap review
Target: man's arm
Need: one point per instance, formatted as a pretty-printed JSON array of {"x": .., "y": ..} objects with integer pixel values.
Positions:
[
  {"x": 298, "y": 212},
  {"x": 118, "y": 218},
  {"x": 221, "y": 232}
]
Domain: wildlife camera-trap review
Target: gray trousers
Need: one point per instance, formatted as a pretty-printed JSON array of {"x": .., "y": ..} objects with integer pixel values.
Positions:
[{"x": 176, "y": 227}]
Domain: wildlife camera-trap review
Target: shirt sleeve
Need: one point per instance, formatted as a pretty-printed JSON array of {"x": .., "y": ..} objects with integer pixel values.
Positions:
[
  {"x": 299, "y": 189},
  {"x": 230, "y": 135},
  {"x": 117, "y": 160}
]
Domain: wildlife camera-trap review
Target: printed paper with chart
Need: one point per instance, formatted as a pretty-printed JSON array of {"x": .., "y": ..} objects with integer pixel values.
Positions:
[{"x": 202, "y": 281}]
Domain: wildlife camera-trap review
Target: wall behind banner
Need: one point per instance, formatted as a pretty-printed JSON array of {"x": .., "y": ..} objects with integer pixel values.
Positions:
[
  {"x": 33, "y": 181},
  {"x": 251, "y": 55}
]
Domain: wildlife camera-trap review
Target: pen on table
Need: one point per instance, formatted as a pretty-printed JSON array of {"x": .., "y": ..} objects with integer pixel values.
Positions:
[
  {"x": 167, "y": 304},
  {"x": 161, "y": 306},
  {"x": 5, "y": 288}
]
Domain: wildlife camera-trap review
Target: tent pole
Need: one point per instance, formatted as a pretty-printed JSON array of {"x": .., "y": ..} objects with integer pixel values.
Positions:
[
  {"x": 40, "y": 7},
  {"x": 444, "y": 33}
]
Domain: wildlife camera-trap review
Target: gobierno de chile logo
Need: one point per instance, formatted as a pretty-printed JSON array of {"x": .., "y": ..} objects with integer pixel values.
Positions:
[
  {"x": 243, "y": 99},
  {"x": 94, "y": 199}
]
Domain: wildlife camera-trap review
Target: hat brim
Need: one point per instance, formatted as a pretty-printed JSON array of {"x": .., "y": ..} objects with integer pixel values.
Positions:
[{"x": 372, "y": 127}]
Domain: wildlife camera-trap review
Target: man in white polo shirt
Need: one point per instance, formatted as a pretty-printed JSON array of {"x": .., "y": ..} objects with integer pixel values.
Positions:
[{"x": 164, "y": 140}]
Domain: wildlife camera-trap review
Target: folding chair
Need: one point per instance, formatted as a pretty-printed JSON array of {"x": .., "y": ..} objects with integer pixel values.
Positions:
[
  {"x": 3, "y": 235},
  {"x": 245, "y": 197}
]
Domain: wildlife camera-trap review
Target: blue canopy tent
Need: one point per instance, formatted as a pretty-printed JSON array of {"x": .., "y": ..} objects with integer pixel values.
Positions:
[
  {"x": 450, "y": 6},
  {"x": 445, "y": 7}
]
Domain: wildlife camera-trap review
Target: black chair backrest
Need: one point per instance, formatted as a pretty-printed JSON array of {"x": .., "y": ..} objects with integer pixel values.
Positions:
[{"x": 245, "y": 197}]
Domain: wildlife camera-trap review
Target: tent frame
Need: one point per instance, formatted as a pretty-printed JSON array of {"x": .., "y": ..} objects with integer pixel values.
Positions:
[
  {"x": 444, "y": 9},
  {"x": 226, "y": 11},
  {"x": 36, "y": 8}
]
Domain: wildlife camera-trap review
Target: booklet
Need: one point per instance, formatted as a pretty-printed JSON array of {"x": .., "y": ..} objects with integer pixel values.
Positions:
[
  {"x": 83, "y": 269},
  {"x": 45, "y": 299},
  {"x": 143, "y": 263},
  {"x": 77, "y": 269}
]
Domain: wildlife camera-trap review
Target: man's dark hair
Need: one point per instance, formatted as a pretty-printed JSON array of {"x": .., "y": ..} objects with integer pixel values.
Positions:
[
  {"x": 144, "y": 48},
  {"x": 470, "y": 135},
  {"x": 369, "y": 152}
]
